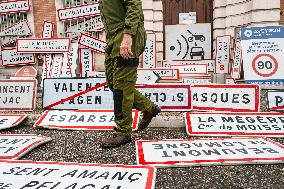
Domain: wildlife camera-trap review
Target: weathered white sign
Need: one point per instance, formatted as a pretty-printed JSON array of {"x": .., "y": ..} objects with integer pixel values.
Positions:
[
  {"x": 56, "y": 45},
  {"x": 191, "y": 69},
  {"x": 198, "y": 80},
  {"x": 164, "y": 73},
  {"x": 7, "y": 7},
  {"x": 13, "y": 146},
  {"x": 230, "y": 81},
  {"x": 10, "y": 57},
  {"x": 26, "y": 71},
  {"x": 11, "y": 120},
  {"x": 87, "y": 64},
  {"x": 47, "y": 29},
  {"x": 219, "y": 151},
  {"x": 70, "y": 61},
  {"x": 149, "y": 55},
  {"x": 93, "y": 24},
  {"x": 223, "y": 47},
  {"x": 209, "y": 62},
  {"x": 92, "y": 43},
  {"x": 21, "y": 28},
  {"x": 81, "y": 11},
  {"x": 188, "y": 42},
  {"x": 65, "y": 175},
  {"x": 235, "y": 98},
  {"x": 235, "y": 124},
  {"x": 82, "y": 120},
  {"x": 175, "y": 77},
  {"x": 6, "y": 40},
  {"x": 237, "y": 65},
  {"x": 97, "y": 74},
  {"x": 147, "y": 76},
  {"x": 275, "y": 100},
  {"x": 57, "y": 65},
  {"x": 168, "y": 97},
  {"x": 187, "y": 18},
  {"x": 18, "y": 95},
  {"x": 46, "y": 67}
]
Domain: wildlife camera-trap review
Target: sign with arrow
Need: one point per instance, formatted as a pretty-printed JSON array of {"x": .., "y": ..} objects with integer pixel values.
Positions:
[{"x": 147, "y": 76}]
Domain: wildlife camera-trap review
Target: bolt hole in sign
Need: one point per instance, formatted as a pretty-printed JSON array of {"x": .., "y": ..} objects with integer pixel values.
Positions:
[
  {"x": 203, "y": 152},
  {"x": 235, "y": 124},
  {"x": 13, "y": 146},
  {"x": 55, "y": 175},
  {"x": 234, "y": 98},
  {"x": 11, "y": 120}
]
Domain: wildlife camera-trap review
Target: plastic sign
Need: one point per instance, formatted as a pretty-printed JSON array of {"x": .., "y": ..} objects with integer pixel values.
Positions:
[
  {"x": 147, "y": 76},
  {"x": 87, "y": 64},
  {"x": 235, "y": 124},
  {"x": 191, "y": 69},
  {"x": 149, "y": 55},
  {"x": 237, "y": 65},
  {"x": 275, "y": 100},
  {"x": 223, "y": 46},
  {"x": 198, "y": 80},
  {"x": 82, "y": 120},
  {"x": 54, "y": 175},
  {"x": 219, "y": 151},
  {"x": 7, "y": 7},
  {"x": 92, "y": 24},
  {"x": 48, "y": 29},
  {"x": 56, "y": 45},
  {"x": 11, "y": 120},
  {"x": 13, "y": 146},
  {"x": 82, "y": 11},
  {"x": 18, "y": 95},
  {"x": 92, "y": 43},
  {"x": 210, "y": 62},
  {"x": 10, "y": 57},
  {"x": 168, "y": 97},
  {"x": 235, "y": 98},
  {"x": 26, "y": 71},
  {"x": 21, "y": 28}
]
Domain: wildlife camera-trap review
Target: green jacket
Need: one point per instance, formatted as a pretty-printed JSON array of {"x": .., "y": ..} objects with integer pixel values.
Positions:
[{"x": 123, "y": 16}]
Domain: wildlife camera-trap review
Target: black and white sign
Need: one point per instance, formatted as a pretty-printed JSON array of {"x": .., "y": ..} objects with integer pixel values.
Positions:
[
  {"x": 54, "y": 175},
  {"x": 81, "y": 11},
  {"x": 11, "y": 120},
  {"x": 275, "y": 100},
  {"x": 13, "y": 146},
  {"x": 92, "y": 24},
  {"x": 56, "y": 45},
  {"x": 46, "y": 67},
  {"x": 187, "y": 18},
  {"x": 92, "y": 43},
  {"x": 69, "y": 65},
  {"x": 97, "y": 74},
  {"x": 209, "y": 62},
  {"x": 235, "y": 124},
  {"x": 10, "y": 57},
  {"x": 57, "y": 65},
  {"x": 21, "y": 28},
  {"x": 168, "y": 97},
  {"x": 82, "y": 120},
  {"x": 87, "y": 64},
  {"x": 149, "y": 59},
  {"x": 219, "y": 151},
  {"x": 48, "y": 29},
  {"x": 230, "y": 81},
  {"x": 147, "y": 76},
  {"x": 191, "y": 69},
  {"x": 175, "y": 77},
  {"x": 223, "y": 47},
  {"x": 197, "y": 80},
  {"x": 164, "y": 73},
  {"x": 7, "y": 7},
  {"x": 18, "y": 95},
  {"x": 237, "y": 65},
  {"x": 235, "y": 98}
]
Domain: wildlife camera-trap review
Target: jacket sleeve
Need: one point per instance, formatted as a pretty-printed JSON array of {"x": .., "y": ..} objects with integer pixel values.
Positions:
[{"x": 133, "y": 14}]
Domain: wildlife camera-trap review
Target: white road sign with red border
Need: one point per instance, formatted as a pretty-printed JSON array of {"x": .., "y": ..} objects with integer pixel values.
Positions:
[
  {"x": 21, "y": 28},
  {"x": 8, "y": 7},
  {"x": 223, "y": 47},
  {"x": 191, "y": 69},
  {"x": 11, "y": 120},
  {"x": 149, "y": 59},
  {"x": 92, "y": 43},
  {"x": 10, "y": 57}
]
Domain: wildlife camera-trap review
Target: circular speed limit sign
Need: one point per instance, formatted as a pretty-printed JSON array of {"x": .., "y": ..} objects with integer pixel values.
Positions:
[{"x": 265, "y": 65}]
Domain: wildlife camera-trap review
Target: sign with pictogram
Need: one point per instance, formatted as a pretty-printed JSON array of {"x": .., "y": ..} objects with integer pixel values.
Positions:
[
  {"x": 11, "y": 120},
  {"x": 7, "y": 7},
  {"x": 275, "y": 100},
  {"x": 223, "y": 47},
  {"x": 26, "y": 71}
]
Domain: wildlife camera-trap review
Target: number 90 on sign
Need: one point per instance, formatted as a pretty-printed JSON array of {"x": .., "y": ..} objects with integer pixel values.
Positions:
[{"x": 265, "y": 65}]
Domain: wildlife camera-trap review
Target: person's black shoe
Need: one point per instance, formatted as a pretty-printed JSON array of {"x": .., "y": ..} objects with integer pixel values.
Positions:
[
  {"x": 147, "y": 117},
  {"x": 115, "y": 141}
]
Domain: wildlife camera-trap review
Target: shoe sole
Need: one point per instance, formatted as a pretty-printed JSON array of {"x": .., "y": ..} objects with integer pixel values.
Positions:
[
  {"x": 156, "y": 113},
  {"x": 108, "y": 146}
]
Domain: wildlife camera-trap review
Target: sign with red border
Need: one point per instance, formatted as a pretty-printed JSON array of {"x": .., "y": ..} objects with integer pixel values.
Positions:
[
  {"x": 275, "y": 100},
  {"x": 164, "y": 73},
  {"x": 26, "y": 71},
  {"x": 69, "y": 65},
  {"x": 208, "y": 151},
  {"x": 237, "y": 65},
  {"x": 191, "y": 69},
  {"x": 92, "y": 24},
  {"x": 235, "y": 124},
  {"x": 197, "y": 80},
  {"x": 175, "y": 77},
  {"x": 235, "y": 98},
  {"x": 92, "y": 43},
  {"x": 38, "y": 45},
  {"x": 14, "y": 6},
  {"x": 11, "y": 120},
  {"x": 270, "y": 65},
  {"x": 223, "y": 48},
  {"x": 147, "y": 76},
  {"x": 48, "y": 28},
  {"x": 18, "y": 95},
  {"x": 82, "y": 120},
  {"x": 210, "y": 62},
  {"x": 46, "y": 67},
  {"x": 57, "y": 65},
  {"x": 149, "y": 57},
  {"x": 6, "y": 40},
  {"x": 10, "y": 57},
  {"x": 13, "y": 146},
  {"x": 87, "y": 64},
  {"x": 21, "y": 28},
  {"x": 88, "y": 175}
]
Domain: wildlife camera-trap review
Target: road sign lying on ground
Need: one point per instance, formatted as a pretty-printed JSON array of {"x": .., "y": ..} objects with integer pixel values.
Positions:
[
  {"x": 29, "y": 174},
  {"x": 191, "y": 69},
  {"x": 232, "y": 124},
  {"x": 11, "y": 120},
  {"x": 235, "y": 98},
  {"x": 21, "y": 28},
  {"x": 219, "y": 151},
  {"x": 14, "y": 6},
  {"x": 10, "y": 57},
  {"x": 18, "y": 95},
  {"x": 13, "y": 146},
  {"x": 275, "y": 100},
  {"x": 82, "y": 120}
]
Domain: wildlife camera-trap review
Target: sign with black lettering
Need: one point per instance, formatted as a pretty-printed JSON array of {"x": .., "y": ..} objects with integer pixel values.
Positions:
[
  {"x": 7, "y": 7},
  {"x": 6, "y": 40},
  {"x": 235, "y": 124},
  {"x": 209, "y": 62},
  {"x": 235, "y": 98},
  {"x": 174, "y": 78},
  {"x": 82, "y": 119},
  {"x": 168, "y": 97},
  {"x": 237, "y": 65},
  {"x": 149, "y": 58},
  {"x": 275, "y": 100},
  {"x": 57, "y": 65},
  {"x": 47, "y": 29},
  {"x": 18, "y": 95},
  {"x": 69, "y": 65},
  {"x": 218, "y": 151},
  {"x": 21, "y": 28},
  {"x": 92, "y": 43},
  {"x": 87, "y": 64},
  {"x": 163, "y": 73},
  {"x": 197, "y": 80},
  {"x": 147, "y": 76},
  {"x": 230, "y": 81},
  {"x": 13, "y": 146},
  {"x": 46, "y": 67},
  {"x": 10, "y": 57},
  {"x": 223, "y": 47},
  {"x": 54, "y": 45},
  {"x": 11, "y": 120},
  {"x": 92, "y": 24},
  {"x": 50, "y": 175},
  {"x": 81, "y": 11},
  {"x": 191, "y": 69}
]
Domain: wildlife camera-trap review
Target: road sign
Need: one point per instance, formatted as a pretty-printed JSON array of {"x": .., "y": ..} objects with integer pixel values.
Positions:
[
  {"x": 275, "y": 100},
  {"x": 191, "y": 69},
  {"x": 11, "y": 120},
  {"x": 87, "y": 64},
  {"x": 235, "y": 98},
  {"x": 237, "y": 65},
  {"x": 92, "y": 24},
  {"x": 7, "y": 7},
  {"x": 57, "y": 62},
  {"x": 147, "y": 76},
  {"x": 210, "y": 62},
  {"x": 69, "y": 65},
  {"x": 201, "y": 152},
  {"x": 13, "y": 146},
  {"x": 21, "y": 28},
  {"x": 26, "y": 71},
  {"x": 29, "y": 174},
  {"x": 46, "y": 67},
  {"x": 10, "y": 57},
  {"x": 197, "y": 80},
  {"x": 149, "y": 59},
  {"x": 47, "y": 29},
  {"x": 235, "y": 124},
  {"x": 265, "y": 65},
  {"x": 6, "y": 40},
  {"x": 82, "y": 120},
  {"x": 230, "y": 81},
  {"x": 223, "y": 47},
  {"x": 92, "y": 43}
]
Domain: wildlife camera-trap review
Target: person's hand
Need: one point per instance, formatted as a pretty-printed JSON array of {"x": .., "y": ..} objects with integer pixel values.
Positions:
[{"x": 125, "y": 47}]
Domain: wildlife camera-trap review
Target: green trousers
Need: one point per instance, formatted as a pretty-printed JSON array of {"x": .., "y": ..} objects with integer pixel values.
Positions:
[{"x": 121, "y": 80}]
